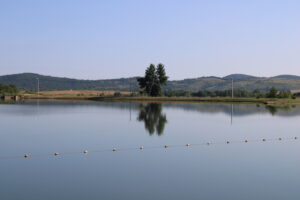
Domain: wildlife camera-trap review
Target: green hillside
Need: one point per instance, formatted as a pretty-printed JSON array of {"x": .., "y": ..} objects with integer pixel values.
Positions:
[{"x": 28, "y": 81}]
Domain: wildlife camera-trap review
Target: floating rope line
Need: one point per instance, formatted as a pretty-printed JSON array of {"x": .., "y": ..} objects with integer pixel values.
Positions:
[{"x": 56, "y": 154}]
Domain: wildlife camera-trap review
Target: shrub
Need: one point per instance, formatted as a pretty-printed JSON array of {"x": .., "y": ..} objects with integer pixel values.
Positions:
[{"x": 117, "y": 94}]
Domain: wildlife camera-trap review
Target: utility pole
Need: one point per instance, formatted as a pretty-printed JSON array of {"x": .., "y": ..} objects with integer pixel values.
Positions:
[
  {"x": 130, "y": 87},
  {"x": 38, "y": 93},
  {"x": 232, "y": 88},
  {"x": 130, "y": 101},
  {"x": 38, "y": 86},
  {"x": 231, "y": 114}
]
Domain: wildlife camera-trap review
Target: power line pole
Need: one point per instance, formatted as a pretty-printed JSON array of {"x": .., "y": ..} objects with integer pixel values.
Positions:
[
  {"x": 38, "y": 86},
  {"x": 232, "y": 88},
  {"x": 231, "y": 113}
]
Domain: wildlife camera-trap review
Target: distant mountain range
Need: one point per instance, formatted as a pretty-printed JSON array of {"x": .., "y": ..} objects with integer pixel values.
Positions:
[{"x": 28, "y": 81}]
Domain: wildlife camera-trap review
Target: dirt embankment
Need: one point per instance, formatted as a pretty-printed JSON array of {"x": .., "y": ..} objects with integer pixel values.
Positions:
[
  {"x": 81, "y": 92},
  {"x": 71, "y": 94}
]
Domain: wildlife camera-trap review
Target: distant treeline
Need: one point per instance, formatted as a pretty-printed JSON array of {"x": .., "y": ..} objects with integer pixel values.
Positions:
[
  {"x": 273, "y": 93},
  {"x": 28, "y": 82},
  {"x": 8, "y": 90}
]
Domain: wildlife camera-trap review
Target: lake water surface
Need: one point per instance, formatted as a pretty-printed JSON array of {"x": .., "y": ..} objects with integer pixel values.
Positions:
[{"x": 238, "y": 170}]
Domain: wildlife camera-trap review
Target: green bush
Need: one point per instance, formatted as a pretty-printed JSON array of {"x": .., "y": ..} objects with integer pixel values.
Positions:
[
  {"x": 117, "y": 94},
  {"x": 8, "y": 90}
]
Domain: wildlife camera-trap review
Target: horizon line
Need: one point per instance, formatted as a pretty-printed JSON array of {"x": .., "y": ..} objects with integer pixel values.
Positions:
[{"x": 211, "y": 76}]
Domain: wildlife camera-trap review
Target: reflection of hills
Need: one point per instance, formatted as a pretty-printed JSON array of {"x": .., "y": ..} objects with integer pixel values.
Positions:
[
  {"x": 238, "y": 109},
  {"x": 45, "y": 107},
  {"x": 217, "y": 108},
  {"x": 209, "y": 108}
]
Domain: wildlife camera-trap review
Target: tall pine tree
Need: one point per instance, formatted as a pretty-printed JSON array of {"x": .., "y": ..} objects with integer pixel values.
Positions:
[{"x": 153, "y": 80}]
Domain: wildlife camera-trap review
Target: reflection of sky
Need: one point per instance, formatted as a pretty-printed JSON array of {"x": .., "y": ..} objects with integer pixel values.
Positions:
[
  {"x": 262, "y": 170},
  {"x": 111, "y": 124},
  {"x": 55, "y": 107}
]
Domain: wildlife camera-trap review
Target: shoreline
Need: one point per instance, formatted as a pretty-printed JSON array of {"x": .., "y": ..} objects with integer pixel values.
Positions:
[{"x": 270, "y": 102}]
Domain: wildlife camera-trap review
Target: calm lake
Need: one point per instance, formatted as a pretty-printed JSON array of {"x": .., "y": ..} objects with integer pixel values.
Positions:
[{"x": 238, "y": 170}]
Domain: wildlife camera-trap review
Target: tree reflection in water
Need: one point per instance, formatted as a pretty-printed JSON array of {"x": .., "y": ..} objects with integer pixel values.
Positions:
[
  {"x": 274, "y": 110},
  {"x": 153, "y": 118}
]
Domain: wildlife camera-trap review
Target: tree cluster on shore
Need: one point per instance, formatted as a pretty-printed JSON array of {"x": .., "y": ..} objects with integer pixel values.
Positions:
[
  {"x": 8, "y": 90},
  {"x": 153, "y": 81},
  {"x": 272, "y": 93}
]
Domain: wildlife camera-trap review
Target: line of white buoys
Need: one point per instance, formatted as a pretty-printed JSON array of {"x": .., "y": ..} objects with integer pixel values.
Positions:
[{"x": 166, "y": 146}]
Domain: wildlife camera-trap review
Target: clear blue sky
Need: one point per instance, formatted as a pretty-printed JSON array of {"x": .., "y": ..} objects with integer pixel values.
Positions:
[{"x": 94, "y": 39}]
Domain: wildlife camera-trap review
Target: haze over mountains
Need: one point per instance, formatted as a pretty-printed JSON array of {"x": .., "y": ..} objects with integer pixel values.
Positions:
[{"x": 28, "y": 81}]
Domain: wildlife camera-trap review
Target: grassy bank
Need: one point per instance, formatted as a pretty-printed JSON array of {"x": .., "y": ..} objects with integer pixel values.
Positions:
[
  {"x": 33, "y": 97},
  {"x": 267, "y": 101},
  {"x": 108, "y": 96},
  {"x": 70, "y": 94}
]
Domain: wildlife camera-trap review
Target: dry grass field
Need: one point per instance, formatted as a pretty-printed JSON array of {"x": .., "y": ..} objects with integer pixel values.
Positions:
[
  {"x": 80, "y": 93},
  {"x": 295, "y": 91},
  {"x": 101, "y": 95},
  {"x": 73, "y": 94}
]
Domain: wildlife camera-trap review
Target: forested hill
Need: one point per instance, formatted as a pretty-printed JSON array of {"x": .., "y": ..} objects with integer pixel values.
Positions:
[{"x": 28, "y": 81}]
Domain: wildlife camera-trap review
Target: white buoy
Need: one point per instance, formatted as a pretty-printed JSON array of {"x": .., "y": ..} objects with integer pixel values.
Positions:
[{"x": 56, "y": 154}]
